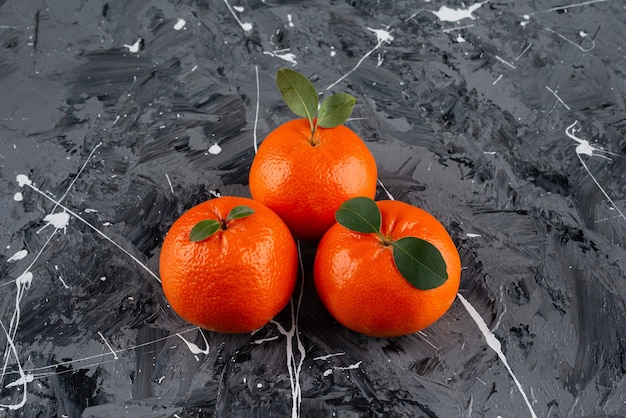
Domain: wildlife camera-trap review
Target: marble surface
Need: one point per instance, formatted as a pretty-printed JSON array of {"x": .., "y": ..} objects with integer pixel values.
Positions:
[{"x": 505, "y": 119}]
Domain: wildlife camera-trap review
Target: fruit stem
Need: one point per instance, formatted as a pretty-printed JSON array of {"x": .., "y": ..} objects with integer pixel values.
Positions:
[
  {"x": 386, "y": 241},
  {"x": 224, "y": 224},
  {"x": 313, "y": 124}
]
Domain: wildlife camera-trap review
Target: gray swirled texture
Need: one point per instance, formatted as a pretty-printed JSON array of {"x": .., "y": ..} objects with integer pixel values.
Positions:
[{"x": 506, "y": 120}]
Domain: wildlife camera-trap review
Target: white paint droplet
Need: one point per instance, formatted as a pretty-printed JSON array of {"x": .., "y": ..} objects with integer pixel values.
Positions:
[
  {"x": 382, "y": 35},
  {"x": 215, "y": 149},
  {"x": 23, "y": 180},
  {"x": 240, "y": 9},
  {"x": 180, "y": 23},
  {"x": 447, "y": 14},
  {"x": 247, "y": 26},
  {"x": 18, "y": 197},
  {"x": 290, "y": 20},
  {"x": 18, "y": 255},
  {"x": 59, "y": 220},
  {"x": 134, "y": 47},
  {"x": 470, "y": 235}
]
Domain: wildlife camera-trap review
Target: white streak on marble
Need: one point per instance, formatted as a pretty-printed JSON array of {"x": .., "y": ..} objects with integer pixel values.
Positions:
[
  {"x": 495, "y": 345},
  {"x": 194, "y": 347},
  {"x": 108, "y": 345},
  {"x": 585, "y": 148},
  {"x": 382, "y": 36}
]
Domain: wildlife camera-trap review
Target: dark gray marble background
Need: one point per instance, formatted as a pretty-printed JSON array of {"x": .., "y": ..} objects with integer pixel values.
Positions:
[{"x": 505, "y": 119}]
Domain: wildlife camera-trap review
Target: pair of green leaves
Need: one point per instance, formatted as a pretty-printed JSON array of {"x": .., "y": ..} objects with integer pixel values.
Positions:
[
  {"x": 204, "y": 229},
  {"x": 301, "y": 97},
  {"x": 419, "y": 262}
]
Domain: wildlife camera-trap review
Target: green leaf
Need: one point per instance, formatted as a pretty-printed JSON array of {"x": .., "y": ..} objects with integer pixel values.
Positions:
[
  {"x": 239, "y": 212},
  {"x": 335, "y": 110},
  {"x": 419, "y": 262},
  {"x": 298, "y": 93},
  {"x": 360, "y": 214},
  {"x": 203, "y": 229}
]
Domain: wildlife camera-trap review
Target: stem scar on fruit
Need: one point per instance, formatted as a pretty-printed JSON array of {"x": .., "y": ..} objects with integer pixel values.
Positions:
[
  {"x": 301, "y": 97},
  {"x": 204, "y": 229},
  {"x": 419, "y": 261}
]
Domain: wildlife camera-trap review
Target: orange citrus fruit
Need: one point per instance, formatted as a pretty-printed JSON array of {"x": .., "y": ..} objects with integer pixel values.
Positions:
[
  {"x": 358, "y": 282},
  {"x": 235, "y": 280},
  {"x": 305, "y": 177}
]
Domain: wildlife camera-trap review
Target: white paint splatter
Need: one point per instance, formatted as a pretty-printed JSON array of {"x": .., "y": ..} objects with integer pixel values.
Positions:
[
  {"x": 108, "y": 345},
  {"x": 471, "y": 235},
  {"x": 389, "y": 195},
  {"x": 264, "y": 340},
  {"x": 59, "y": 220},
  {"x": 18, "y": 197},
  {"x": 27, "y": 378},
  {"x": 503, "y": 61},
  {"x": 134, "y": 48},
  {"x": 25, "y": 279},
  {"x": 350, "y": 367},
  {"x": 284, "y": 55},
  {"x": 22, "y": 379},
  {"x": 290, "y": 20},
  {"x": 590, "y": 41},
  {"x": 180, "y": 23},
  {"x": 382, "y": 36},
  {"x": 294, "y": 360},
  {"x": 102, "y": 234},
  {"x": 246, "y": 26},
  {"x": 447, "y": 14},
  {"x": 18, "y": 255},
  {"x": 557, "y": 97},
  {"x": 326, "y": 357},
  {"x": 585, "y": 148},
  {"x": 169, "y": 182},
  {"x": 63, "y": 282},
  {"x": 495, "y": 345},
  {"x": 256, "y": 113},
  {"x": 23, "y": 180},
  {"x": 194, "y": 347},
  {"x": 215, "y": 149}
]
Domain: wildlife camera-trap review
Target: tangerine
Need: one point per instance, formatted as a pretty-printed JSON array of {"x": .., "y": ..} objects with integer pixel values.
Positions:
[
  {"x": 236, "y": 279},
  {"x": 358, "y": 282},
  {"x": 305, "y": 176}
]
